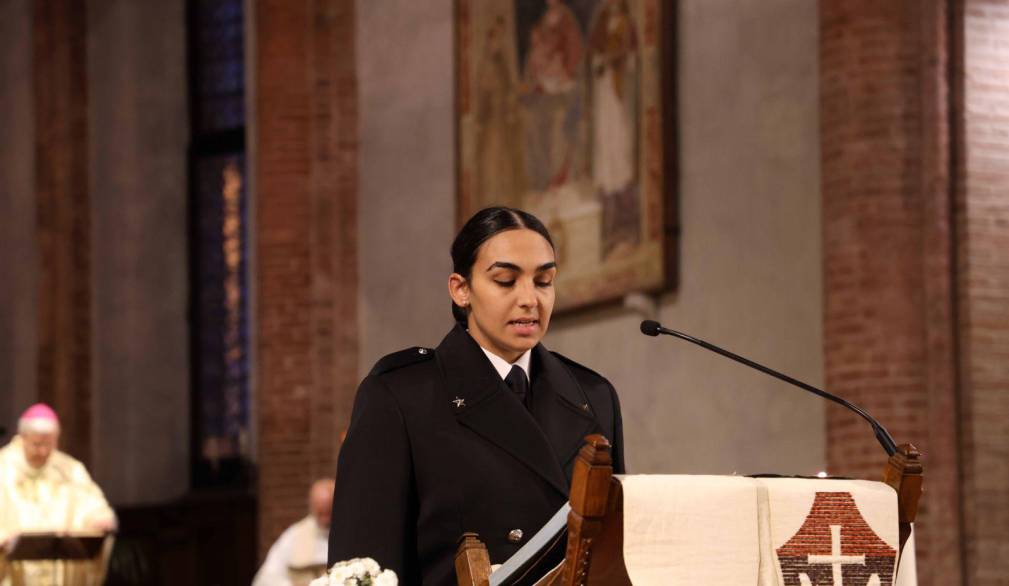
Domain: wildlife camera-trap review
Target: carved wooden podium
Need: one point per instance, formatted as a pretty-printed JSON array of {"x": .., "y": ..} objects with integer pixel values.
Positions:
[
  {"x": 594, "y": 554},
  {"x": 67, "y": 559}
]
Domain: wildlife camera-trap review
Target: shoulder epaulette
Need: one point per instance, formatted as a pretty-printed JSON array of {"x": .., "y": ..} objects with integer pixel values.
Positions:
[{"x": 402, "y": 358}]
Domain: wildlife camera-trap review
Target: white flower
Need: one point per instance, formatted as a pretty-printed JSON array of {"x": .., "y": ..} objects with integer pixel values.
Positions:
[
  {"x": 356, "y": 569},
  {"x": 340, "y": 574},
  {"x": 355, "y": 572}
]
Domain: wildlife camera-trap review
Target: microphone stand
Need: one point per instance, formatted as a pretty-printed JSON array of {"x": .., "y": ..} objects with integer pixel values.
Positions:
[
  {"x": 653, "y": 328},
  {"x": 903, "y": 470}
]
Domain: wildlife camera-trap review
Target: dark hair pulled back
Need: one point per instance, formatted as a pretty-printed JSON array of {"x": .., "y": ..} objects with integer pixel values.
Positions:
[{"x": 480, "y": 228}]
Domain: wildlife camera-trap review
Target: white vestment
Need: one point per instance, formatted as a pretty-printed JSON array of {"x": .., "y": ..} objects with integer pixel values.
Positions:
[
  {"x": 301, "y": 545},
  {"x": 58, "y": 497}
]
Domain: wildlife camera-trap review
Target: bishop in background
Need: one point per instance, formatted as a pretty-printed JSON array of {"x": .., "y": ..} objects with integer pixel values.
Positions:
[{"x": 45, "y": 490}]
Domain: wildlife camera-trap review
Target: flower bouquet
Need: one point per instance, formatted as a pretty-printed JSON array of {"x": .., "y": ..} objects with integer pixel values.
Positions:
[{"x": 357, "y": 572}]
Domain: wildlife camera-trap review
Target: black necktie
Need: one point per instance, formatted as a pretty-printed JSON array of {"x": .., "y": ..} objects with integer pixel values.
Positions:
[{"x": 518, "y": 383}]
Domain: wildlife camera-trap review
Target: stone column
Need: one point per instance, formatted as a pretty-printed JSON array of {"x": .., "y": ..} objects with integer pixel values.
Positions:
[
  {"x": 981, "y": 99},
  {"x": 63, "y": 218},
  {"x": 138, "y": 139},
  {"x": 18, "y": 242}
]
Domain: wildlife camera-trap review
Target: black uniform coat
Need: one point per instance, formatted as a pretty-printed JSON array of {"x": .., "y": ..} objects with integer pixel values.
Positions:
[{"x": 438, "y": 445}]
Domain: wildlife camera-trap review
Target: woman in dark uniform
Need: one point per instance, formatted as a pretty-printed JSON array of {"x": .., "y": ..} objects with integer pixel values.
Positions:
[{"x": 476, "y": 435}]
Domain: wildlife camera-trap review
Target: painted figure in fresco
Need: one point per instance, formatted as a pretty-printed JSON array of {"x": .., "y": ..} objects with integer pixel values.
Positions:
[
  {"x": 613, "y": 50},
  {"x": 551, "y": 89},
  {"x": 498, "y": 148}
]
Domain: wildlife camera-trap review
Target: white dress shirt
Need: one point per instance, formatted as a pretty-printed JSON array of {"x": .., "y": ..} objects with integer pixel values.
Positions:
[{"x": 503, "y": 367}]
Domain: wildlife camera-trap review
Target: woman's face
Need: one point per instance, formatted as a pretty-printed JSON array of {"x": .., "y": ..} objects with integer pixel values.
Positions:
[{"x": 510, "y": 292}]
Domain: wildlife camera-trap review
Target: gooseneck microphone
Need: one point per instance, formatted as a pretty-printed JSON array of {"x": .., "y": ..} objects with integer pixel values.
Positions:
[{"x": 653, "y": 328}]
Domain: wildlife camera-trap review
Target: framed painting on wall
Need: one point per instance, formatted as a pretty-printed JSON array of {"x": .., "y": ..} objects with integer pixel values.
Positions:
[{"x": 564, "y": 108}]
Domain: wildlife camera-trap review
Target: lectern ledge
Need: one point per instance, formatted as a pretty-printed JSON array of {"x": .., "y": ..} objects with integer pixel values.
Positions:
[
  {"x": 781, "y": 532},
  {"x": 68, "y": 559}
]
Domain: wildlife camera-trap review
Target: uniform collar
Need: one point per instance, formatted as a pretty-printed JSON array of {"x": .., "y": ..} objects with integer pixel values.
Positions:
[
  {"x": 503, "y": 367},
  {"x": 546, "y": 438}
]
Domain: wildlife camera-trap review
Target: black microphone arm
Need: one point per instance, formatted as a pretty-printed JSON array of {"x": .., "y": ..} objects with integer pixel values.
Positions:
[{"x": 653, "y": 328}]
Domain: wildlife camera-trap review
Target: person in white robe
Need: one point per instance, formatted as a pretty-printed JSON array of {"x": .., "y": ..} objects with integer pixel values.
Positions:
[
  {"x": 613, "y": 55},
  {"x": 43, "y": 489},
  {"x": 299, "y": 554}
]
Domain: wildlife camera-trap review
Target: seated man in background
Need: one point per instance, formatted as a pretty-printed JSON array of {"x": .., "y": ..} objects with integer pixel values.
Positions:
[
  {"x": 45, "y": 490},
  {"x": 299, "y": 554}
]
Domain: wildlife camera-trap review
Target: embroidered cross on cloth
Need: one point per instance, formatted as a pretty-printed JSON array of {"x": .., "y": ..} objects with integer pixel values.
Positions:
[{"x": 729, "y": 530}]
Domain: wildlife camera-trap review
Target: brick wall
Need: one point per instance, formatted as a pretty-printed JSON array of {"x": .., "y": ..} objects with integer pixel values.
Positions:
[
  {"x": 306, "y": 275},
  {"x": 915, "y": 146},
  {"x": 63, "y": 218},
  {"x": 888, "y": 332},
  {"x": 982, "y": 208}
]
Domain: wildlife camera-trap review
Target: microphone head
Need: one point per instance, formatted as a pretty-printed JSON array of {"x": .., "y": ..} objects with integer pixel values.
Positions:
[{"x": 650, "y": 327}]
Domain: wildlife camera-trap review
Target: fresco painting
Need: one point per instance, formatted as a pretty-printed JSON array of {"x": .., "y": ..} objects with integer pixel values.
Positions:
[{"x": 560, "y": 112}]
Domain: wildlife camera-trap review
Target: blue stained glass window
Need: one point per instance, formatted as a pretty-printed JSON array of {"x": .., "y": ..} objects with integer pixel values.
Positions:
[
  {"x": 219, "y": 248},
  {"x": 222, "y": 306},
  {"x": 220, "y": 66}
]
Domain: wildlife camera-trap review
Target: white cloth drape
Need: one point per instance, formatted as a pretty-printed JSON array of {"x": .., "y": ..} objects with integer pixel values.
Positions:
[{"x": 725, "y": 530}]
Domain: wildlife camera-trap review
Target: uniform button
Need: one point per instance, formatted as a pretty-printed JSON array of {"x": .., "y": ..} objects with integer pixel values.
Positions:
[
  {"x": 515, "y": 535},
  {"x": 422, "y": 350}
]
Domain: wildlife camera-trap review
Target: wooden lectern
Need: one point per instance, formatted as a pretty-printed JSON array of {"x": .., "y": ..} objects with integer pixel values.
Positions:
[
  {"x": 594, "y": 554},
  {"x": 76, "y": 559}
]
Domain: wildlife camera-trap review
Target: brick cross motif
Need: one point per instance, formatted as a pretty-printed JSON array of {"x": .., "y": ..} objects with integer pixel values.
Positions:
[
  {"x": 805, "y": 559},
  {"x": 835, "y": 558}
]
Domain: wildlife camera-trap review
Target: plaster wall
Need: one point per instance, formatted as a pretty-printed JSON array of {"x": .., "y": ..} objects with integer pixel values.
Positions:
[
  {"x": 406, "y": 206},
  {"x": 750, "y": 276}
]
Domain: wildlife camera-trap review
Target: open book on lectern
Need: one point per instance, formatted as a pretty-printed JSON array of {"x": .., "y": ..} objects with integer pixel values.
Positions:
[{"x": 539, "y": 556}]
